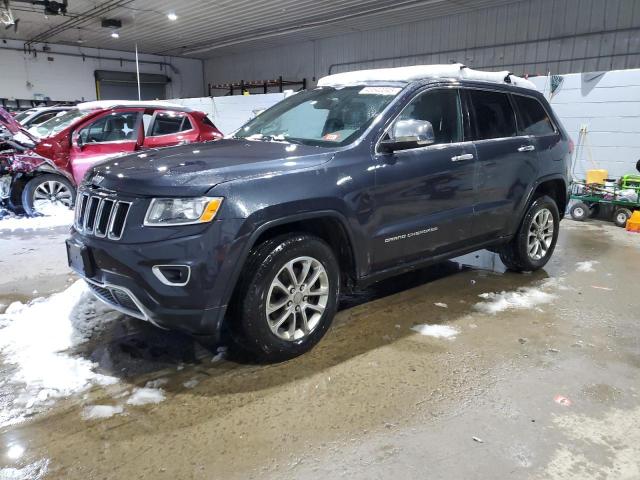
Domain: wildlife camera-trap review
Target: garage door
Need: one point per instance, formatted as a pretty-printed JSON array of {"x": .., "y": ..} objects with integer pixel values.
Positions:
[{"x": 123, "y": 85}]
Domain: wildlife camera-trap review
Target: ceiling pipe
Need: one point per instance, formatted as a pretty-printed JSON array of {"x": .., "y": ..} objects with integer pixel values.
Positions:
[
  {"x": 101, "y": 57},
  {"x": 81, "y": 18}
]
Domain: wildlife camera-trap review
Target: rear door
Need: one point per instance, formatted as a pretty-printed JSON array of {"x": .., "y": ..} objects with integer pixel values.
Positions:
[
  {"x": 423, "y": 196},
  {"x": 506, "y": 162},
  {"x": 535, "y": 122},
  {"x": 169, "y": 127},
  {"x": 107, "y": 135}
]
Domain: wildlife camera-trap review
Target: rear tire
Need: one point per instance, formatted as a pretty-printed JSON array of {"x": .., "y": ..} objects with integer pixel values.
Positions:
[
  {"x": 44, "y": 192},
  {"x": 278, "y": 317},
  {"x": 533, "y": 245},
  {"x": 621, "y": 216},
  {"x": 579, "y": 211}
]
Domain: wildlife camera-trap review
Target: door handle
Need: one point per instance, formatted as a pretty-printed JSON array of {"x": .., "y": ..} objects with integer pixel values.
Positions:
[
  {"x": 526, "y": 148},
  {"x": 459, "y": 158}
]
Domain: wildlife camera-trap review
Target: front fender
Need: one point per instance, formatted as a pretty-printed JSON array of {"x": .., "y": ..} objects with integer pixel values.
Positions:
[
  {"x": 30, "y": 162},
  {"x": 249, "y": 233}
]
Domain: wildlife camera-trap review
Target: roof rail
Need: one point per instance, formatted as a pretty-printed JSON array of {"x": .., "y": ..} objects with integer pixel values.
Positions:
[{"x": 421, "y": 72}]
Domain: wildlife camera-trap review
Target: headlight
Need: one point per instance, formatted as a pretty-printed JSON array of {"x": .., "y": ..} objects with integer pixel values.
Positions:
[{"x": 181, "y": 211}]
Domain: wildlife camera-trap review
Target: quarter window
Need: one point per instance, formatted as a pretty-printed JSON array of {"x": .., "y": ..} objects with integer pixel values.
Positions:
[
  {"x": 114, "y": 127},
  {"x": 441, "y": 109},
  {"x": 533, "y": 117},
  {"x": 493, "y": 114},
  {"x": 169, "y": 123}
]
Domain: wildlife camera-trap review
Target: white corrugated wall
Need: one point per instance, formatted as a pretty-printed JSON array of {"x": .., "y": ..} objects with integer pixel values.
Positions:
[{"x": 607, "y": 107}]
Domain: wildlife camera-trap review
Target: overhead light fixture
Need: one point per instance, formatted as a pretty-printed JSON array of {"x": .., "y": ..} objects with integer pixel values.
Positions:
[
  {"x": 115, "y": 35},
  {"x": 172, "y": 16}
]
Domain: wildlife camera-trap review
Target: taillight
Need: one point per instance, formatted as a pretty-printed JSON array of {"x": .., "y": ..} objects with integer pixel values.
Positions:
[{"x": 572, "y": 146}]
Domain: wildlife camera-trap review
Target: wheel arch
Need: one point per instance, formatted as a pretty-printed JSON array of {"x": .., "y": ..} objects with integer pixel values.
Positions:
[
  {"x": 329, "y": 225},
  {"x": 554, "y": 186}
]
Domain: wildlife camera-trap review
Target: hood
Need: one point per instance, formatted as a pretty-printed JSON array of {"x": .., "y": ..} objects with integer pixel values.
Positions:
[
  {"x": 191, "y": 170},
  {"x": 20, "y": 135}
]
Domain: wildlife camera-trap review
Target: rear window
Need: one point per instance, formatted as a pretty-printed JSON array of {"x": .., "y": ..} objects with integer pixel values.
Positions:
[
  {"x": 533, "y": 117},
  {"x": 493, "y": 114}
]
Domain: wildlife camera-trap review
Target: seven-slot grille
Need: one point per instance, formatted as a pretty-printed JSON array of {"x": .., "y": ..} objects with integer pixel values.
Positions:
[{"x": 101, "y": 216}]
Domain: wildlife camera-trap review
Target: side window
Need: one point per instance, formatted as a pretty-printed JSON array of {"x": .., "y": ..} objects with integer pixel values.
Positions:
[
  {"x": 533, "y": 117},
  {"x": 114, "y": 127},
  {"x": 169, "y": 123},
  {"x": 442, "y": 109},
  {"x": 493, "y": 114}
]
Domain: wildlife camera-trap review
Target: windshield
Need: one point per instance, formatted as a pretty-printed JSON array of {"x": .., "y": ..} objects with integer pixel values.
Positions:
[
  {"x": 22, "y": 115},
  {"x": 58, "y": 123},
  {"x": 322, "y": 117}
]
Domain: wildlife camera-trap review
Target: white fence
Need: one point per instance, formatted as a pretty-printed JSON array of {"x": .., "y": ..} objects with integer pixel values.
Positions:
[{"x": 231, "y": 112}]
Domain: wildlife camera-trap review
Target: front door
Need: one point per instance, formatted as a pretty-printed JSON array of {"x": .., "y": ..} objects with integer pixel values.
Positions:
[
  {"x": 507, "y": 162},
  {"x": 110, "y": 134},
  {"x": 424, "y": 196}
]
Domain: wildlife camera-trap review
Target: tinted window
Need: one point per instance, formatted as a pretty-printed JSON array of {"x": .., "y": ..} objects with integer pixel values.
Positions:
[
  {"x": 494, "y": 117},
  {"x": 168, "y": 123},
  {"x": 439, "y": 107},
  {"x": 533, "y": 117},
  {"x": 115, "y": 127}
]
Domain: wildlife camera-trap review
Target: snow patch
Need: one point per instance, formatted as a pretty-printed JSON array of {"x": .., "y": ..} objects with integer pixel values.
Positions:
[
  {"x": 441, "y": 305},
  {"x": 220, "y": 355},
  {"x": 54, "y": 216},
  {"x": 586, "y": 266},
  {"x": 35, "y": 339},
  {"x": 157, "y": 383},
  {"x": 437, "y": 331},
  {"x": 145, "y": 395},
  {"x": 191, "y": 383},
  {"x": 33, "y": 471},
  {"x": 95, "y": 412},
  {"x": 521, "y": 299}
]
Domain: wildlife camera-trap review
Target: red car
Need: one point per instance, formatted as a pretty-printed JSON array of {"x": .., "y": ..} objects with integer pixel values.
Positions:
[{"x": 49, "y": 160}]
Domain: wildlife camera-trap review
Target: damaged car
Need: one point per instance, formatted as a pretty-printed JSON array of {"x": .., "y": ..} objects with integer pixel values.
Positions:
[{"x": 46, "y": 162}]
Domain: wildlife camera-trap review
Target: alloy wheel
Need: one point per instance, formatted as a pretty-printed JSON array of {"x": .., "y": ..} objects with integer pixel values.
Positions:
[
  {"x": 51, "y": 192},
  {"x": 540, "y": 236},
  {"x": 297, "y": 298}
]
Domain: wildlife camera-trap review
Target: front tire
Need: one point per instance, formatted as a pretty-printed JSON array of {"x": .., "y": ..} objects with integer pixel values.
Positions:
[
  {"x": 43, "y": 193},
  {"x": 580, "y": 211},
  {"x": 287, "y": 297},
  {"x": 536, "y": 239}
]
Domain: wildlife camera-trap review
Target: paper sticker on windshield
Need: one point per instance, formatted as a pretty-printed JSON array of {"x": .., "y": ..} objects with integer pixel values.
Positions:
[
  {"x": 332, "y": 137},
  {"x": 379, "y": 91}
]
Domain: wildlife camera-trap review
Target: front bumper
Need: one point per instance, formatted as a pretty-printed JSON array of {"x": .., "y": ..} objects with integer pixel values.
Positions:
[{"x": 121, "y": 275}]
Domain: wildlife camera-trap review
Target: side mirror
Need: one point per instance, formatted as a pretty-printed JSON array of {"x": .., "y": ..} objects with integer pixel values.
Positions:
[{"x": 407, "y": 134}]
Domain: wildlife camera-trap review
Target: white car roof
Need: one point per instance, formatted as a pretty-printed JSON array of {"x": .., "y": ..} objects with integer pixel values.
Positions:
[
  {"x": 104, "y": 104},
  {"x": 421, "y": 72}
]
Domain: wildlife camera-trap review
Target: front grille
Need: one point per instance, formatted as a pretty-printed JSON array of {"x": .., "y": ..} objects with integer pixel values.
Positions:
[
  {"x": 117, "y": 298},
  {"x": 101, "y": 216}
]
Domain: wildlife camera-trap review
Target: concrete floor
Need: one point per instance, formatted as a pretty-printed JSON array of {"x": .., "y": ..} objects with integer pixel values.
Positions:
[{"x": 539, "y": 382}]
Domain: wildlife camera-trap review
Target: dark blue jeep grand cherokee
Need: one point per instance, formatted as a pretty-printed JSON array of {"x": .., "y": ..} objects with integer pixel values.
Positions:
[{"x": 368, "y": 175}]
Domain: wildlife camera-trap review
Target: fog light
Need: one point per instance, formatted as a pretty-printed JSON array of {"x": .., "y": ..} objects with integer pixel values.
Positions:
[{"x": 172, "y": 275}]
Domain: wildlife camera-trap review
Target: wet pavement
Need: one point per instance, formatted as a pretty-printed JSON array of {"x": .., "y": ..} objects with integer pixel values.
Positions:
[{"x": 536, "y": 377}]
